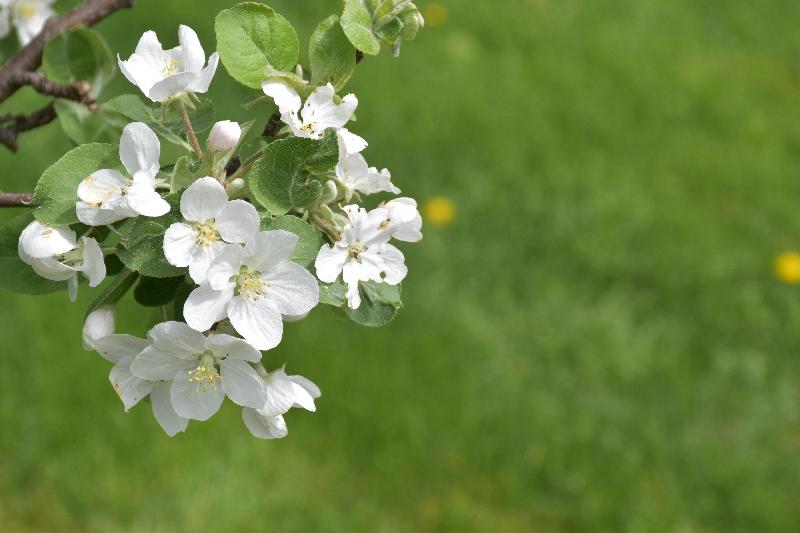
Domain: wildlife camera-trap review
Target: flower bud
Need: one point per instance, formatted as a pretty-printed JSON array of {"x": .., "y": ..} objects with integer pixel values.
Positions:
[
  {"x": 236, "y": 188},
  {"x": 224, "y": 136},
  {"x": 329, "y": 192},
  {"x": 99, "y": 324}
]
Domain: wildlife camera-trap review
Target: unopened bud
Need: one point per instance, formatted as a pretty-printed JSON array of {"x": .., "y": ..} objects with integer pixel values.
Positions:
[
  {"x": 329, "y": 192},
  {"x": 224, "y": 136},
  {"x": 236, "y": 188},
  {"x": 99, "y": 324}
]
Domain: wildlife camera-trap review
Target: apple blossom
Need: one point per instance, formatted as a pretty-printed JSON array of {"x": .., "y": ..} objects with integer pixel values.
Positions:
[
  {"x": 55, "y": 254},
  {"x": 203, "y": 370},
  {"x": 107, "y": 196},
  {"x": 355, "y": 174},
  {"x": 210, "y": 222},
  {"x": 254, "y": 286},
  {"x": 224, "y": 136},
  {"x": 283, "y": 392},
  {"x": 362, "y": 254},
  {"x": 27, "y": 16},
  {"x": 405, "y": 219},
  {"x": 165, "y": 74},
  {"x": 98, "y": 324}
]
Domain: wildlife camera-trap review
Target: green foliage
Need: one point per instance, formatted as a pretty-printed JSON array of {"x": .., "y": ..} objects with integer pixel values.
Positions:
[
  {"x": 182, "y": 173},
  {"x": 168, "y": 126},
  {"x": 143, "y": 251},
  {"x": 334, "y": 294},
  {"x": 380, "y": 303},
  {"x": 310, "y": 239},
  {"x": 84, "y": 126},
  {"x": 286, "y": 176},
  {"x": 252, "y": 37},
  {"x": 332, "y": 57},
  {"x": 154, "y": 292},
  {"x": 16, "y": 276},
  {"x": 80, "y": 54},
  {"x": 114, "y": 291},
  {"x": 56, "y": 191},
  {"x": 357, "y": 25}
]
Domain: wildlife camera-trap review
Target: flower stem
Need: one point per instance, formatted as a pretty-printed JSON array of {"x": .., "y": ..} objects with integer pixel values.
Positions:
[
  {"x": 16, "y": 199},
  {"x": 325, "y": 226},
  {"x": 190, "y": 132}
]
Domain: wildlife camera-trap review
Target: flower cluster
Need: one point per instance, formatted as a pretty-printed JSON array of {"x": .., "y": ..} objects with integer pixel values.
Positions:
[{"x": 222, "y": 242}]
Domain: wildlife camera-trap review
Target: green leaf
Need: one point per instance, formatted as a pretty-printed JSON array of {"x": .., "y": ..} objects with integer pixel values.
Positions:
[
  {"x": 56, "y": 193},
  {"x": 286, "y": 176},
  {"x": 357, "y": 25},
  {"x": 182, "y": 175},
  {"x": 252, "y": 37},
  {"x": 310, "y": 240},
  {"x": 332, "y": 57},
  {"x": 153, "y": 292},
  {"x": 83, "y": 126},
  {"x": 144, "y": 250},
  {"x": 169, "y": 127},
  {"x": 181, "y": 295},
  {"x": 334, "y": 294},
  {"x": 80, "y": 54},
  {"x": 16, "y": 276},
  {"x": 115, "y": 290},
  {"x": 380, "y": 303}
]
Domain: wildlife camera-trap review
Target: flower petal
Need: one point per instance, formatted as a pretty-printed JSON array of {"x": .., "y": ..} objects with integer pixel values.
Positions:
[
  {"x": 292, "y": 288},
  {"x": 117, "y": 347},
  {"x": 202, "y": 259},
  {"x": 257, "y": 321},
  {"x": 144, "y": 199},
  {"x": 226, "y": 265},
  {"x": 192, "y": 54},
  {"x": 203, "y": 200},
  {"x": 170, "y": 421},
  {"x": 242, "y": 384},
  {"x": 229, "y": 347},
  {"x": 194, "y": 401},
  {"x": 237, "y": 222},
  {"x": 40, "y": 241},
  {"x": 205, "y": 306},
  {"x": 172, "y": 86},
  {"x": 177, "y": 338},
  {"x": 180, "y": 241},
  {"x": 130, "y": 389},
  {"x": 101, "y": 186},
  {"x": 201, "y": 82},
  {"x": 282, "y": 394},
  {"x": 263, "y": 427},
  {"x": 94, "y": 265},
  {"x": 155, "y": 364},
  {"x": 286, "y": 98},
  {"x": 324, "y": 113},
  {"x": 269, "y": 248},
  {"x": 310, "y": 387},
  {"x": 139, "y": 149},
  {"x": 330, "y": 262}
]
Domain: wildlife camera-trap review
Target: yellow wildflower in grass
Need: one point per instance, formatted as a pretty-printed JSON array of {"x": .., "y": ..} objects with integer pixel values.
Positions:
[
  {"x": 434, "y": 14},
  {"x": 787, "y": 267},
  {"x": 439, "y": 211}
]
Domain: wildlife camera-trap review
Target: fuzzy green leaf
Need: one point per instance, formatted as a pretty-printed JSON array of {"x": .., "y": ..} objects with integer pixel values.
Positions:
[
  {"x": 380, "y": 303},
  {"x": 144, "y": 250},
  {"x": 332, "y": 57},
  {"x": 81, "y": 54},
  {"x": 357, "y": 25},
  {"x": 309, "y": 241},
  {"x": 152, "y": 292}
]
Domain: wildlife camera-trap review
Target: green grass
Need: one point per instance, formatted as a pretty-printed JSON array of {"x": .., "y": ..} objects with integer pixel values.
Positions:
[{"x": 597, "y": 343}]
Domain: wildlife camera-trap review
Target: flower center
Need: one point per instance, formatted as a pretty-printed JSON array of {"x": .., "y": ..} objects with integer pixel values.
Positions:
[
  {"x": 26, "y": 11},
  {"x": 207, "y": 234},
  {"x": 355, "y": 250},
  {"x": 170, "y": 67},
  {"x": 250, "y": 285},
  {"x": 206, "y": 376}
]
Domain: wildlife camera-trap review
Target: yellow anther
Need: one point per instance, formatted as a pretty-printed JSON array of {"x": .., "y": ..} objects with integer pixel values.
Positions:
[{"x": 170, "y": 67}]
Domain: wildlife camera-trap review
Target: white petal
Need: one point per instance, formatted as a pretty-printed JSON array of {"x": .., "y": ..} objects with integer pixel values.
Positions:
[
  {"x": 310, "y": 387},
  {"x": 177, "y": 338},
  {"x": 117, "y": 347},
  {"x": 268, "y": 248},
  {"x": 293, "y": 290},
  {"x": 238, "y": 222},
  {"x": 139, "y": 149},
  {"x": 257, "y": 321},
  {"x": 282, "y": 394},
  {"x": 264, "y": 427},
  {"x": 205, "y": 307},
  {"x": 155, "y": 364},
  {"x": 170, "y": 421},
  {"x": 172, "y": 86},
  {"x": 226, "y": 265},
  {"x": 130, "y": 389},
  {"x": 323, "y": 112},
  {"x": 72, "y": 288},
  {"x": 192, "y": 53},
  {"x": 144, "y": 199},
  {"x": 385, "y": 263},
  {"x": 203, "y": 200},
  {"x": 329, "y": 262},
  {"x": 101, "y": 187},
  {"x": 180, "y": 241},
  {"x": 41, "y": 241},
  {"x": 242, "y": 384},
  {"x": 139, "y": 72},
  {"x": 98, "y": 324},
  {"x": 150, "y": 49},
  {"x": 349, "y": 142},
  {"x": 203, "y": 257},
  {"x": 353, "y": 295},
  {"x": 286, "y": 98},
  {"x": 193, "y": 401},
  {"x": 91, "y": 215},
  {"x": 201, "y": 82},
  {"x": 94, "y": 266},
  {"x": 227, "y": 346}
]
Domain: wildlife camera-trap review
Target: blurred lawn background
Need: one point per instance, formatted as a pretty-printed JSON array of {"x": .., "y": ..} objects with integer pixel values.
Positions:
[{"x": 596, "y": 343}]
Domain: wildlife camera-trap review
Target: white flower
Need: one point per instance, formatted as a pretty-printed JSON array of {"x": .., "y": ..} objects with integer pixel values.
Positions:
[
  {"x": 99, "y": 324},
  {"x": 203, "y": 369},
  {"x": 211, "y": 221},
  {"x": 54, "y": 254},
  {"x": 122, "y": 350},
  {"x": 107, "y": 196},
  {"x": 319, "y": 113},
  {"x": 254, "y": 286},
  {"x": 27, "y": 16},
  {"x": 362, "y": 254},
  {"x": 405, "y": 219},
  {"x": 356, "y": 175},
  {"x": 224, "y": 136},
  {"x": 164, "y": 74},
  {"x": 283, "y": 392}
]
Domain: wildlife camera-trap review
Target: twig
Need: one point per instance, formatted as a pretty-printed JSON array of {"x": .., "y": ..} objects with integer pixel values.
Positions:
[
  {"x": 190, "y": 132},
  {"x": 323, "y": 224},
  {"x": 22, "y": 123},
  {"x": 9, "y": 199},
  {"x": 78, "y": 90}
]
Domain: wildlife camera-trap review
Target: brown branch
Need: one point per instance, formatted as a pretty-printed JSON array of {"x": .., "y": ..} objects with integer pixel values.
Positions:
[
  {"x": 22, "y": 123},
  {"x": 16, "y": 199},
  {"x": 29, "y": 57},
  {"x": 77, "y": 90},
  {"x": 187, "y": 124}
]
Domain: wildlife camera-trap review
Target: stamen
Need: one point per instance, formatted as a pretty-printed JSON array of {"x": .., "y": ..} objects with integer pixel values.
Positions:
[{"x": 206, "y": 376}]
